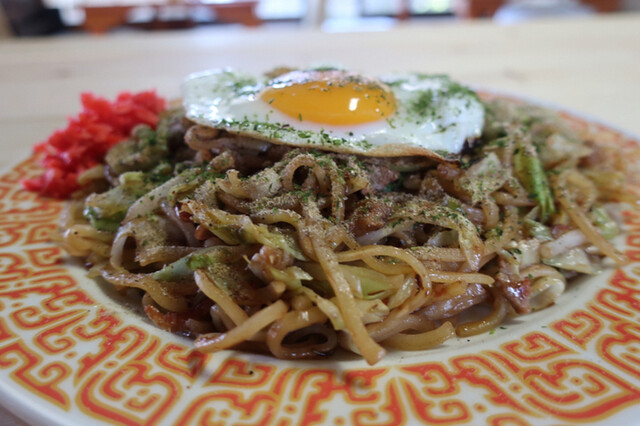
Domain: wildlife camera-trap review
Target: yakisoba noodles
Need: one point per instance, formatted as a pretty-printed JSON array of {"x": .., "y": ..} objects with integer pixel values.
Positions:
[{"x": 300, "y": 250}]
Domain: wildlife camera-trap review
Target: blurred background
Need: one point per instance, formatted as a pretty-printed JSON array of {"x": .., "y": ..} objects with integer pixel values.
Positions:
[{"x": 25, "y": 18}]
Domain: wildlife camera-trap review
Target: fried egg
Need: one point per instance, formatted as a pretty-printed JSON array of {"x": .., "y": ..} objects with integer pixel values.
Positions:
[{"x": 341, "y": 111}]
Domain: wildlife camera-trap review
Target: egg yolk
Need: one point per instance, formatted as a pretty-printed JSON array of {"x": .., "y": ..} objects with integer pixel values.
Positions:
[{"x": 330, "y": 97}]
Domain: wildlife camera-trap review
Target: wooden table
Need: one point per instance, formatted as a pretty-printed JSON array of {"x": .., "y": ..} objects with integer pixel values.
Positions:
[{"x": 591, "y": 65}]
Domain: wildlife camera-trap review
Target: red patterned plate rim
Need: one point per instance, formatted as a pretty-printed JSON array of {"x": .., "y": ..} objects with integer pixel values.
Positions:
[{"x": 70, "y": 353}]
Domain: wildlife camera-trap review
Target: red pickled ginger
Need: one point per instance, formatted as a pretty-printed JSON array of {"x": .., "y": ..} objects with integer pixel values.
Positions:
[{"x": 83, "y": 144}]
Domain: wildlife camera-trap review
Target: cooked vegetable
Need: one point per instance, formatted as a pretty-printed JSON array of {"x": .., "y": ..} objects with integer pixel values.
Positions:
[
  {"x": 608, "y": 227},
  {"x": 531, "y": 174},
  {"x": 88, "y": 137}
]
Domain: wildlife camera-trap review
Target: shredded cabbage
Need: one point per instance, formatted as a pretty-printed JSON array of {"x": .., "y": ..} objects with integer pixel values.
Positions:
[
  {"x": 484, "y": 177},
  {"x": 239, "y": 229},
  {"x": 607, "y": 226},
  {"x": 530, "y": 173},
  {"x": 574, "y": 260}
]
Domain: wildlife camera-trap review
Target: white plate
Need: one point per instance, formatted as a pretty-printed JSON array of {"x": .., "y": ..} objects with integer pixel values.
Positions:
[{"x": 72, "y": 353}]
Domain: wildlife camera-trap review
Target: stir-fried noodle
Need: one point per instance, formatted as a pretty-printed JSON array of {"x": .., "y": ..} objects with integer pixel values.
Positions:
[{"x": 246, "y": 244}]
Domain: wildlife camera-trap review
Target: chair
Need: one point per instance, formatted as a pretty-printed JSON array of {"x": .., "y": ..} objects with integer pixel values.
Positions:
[
  {"x": 31, "y": 17},
  {"x": 5, "y": 29}
]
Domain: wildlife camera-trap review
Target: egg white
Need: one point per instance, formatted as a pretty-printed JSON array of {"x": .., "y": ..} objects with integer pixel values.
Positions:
[{"x": 433, "y": 114}]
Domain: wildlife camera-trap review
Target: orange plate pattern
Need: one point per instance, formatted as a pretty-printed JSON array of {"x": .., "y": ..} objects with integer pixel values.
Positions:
[{"x": 69, "y": 351}]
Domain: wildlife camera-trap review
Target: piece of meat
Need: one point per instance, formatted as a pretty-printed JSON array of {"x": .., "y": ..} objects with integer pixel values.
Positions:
[
  {"x": 517, "y": 293},
  {"x": 176, "y": 322},
  {"x": 558, "y": 230},
  {"x": 601, "y": 157},
  {"x": 447, "y": 174},
  {"x": 515, "y": 289},
  {"x": 379, "y": 177},
  {"x": 474, "y": 294},
  {"x": 277, "y": 152},
  {"x": 431, "y": 189},
  {"x": 369, "y": 215},
  {"x": 202, "y": 233}
]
